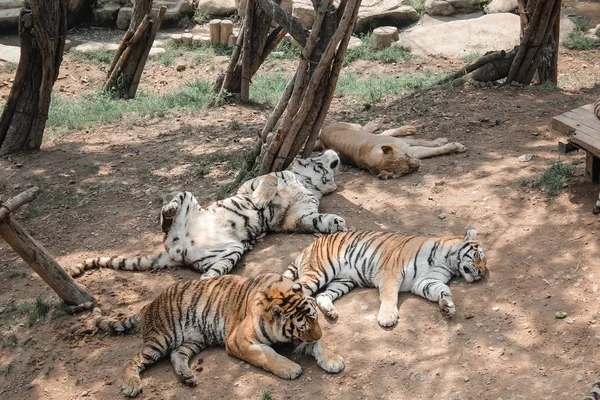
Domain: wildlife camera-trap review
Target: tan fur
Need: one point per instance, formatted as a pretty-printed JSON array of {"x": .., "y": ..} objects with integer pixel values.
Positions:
[
  {"x": 245, "y": 315},
  {"x": 385, "y": 155}
]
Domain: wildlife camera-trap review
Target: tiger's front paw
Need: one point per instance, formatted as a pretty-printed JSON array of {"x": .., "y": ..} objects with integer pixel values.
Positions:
[
  {"x": 288, "y": 370},
  {"x": 387, "y": 318},
  {"x": 337, "y": 224},
  {"x": 170, "y": 209},
  {"x": 188, "y": 379},
  {"x": 209, "y": 274},
  {"x": 332, "y": 363},
  {"x": 326, "y": 306},
  {"x": 132, "y": 386},
  {"x": 446, "y": 305}
]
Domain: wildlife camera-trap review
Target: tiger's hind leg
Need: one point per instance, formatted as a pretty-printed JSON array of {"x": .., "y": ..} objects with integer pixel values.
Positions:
[
  {"x": 334, "y": 290},
  {"x": 132, "y": 383},
  {"x": 170, "y": 211},
  {"x": 215, "y": 262},
  {"x": 180, "y": 359}
]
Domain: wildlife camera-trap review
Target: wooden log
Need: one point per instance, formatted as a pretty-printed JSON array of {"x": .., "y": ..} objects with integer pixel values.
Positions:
[
  {"x": 186, "y": 39},
  {"x": 288, "y": 22},
  {"x": 226, "y": 30},
  {"x": 12, "y": 204},
  {"x": 177, "y": 38},
  {"x": 215, "y": 31},
  {"x": 384, "y": 36},
  {"x": 247, "y": 52},
  {"x": 122, "y": 46},
  {"x": 232, "y": 40},
  {"x": 146, "y": 52},
  {"x": 495, "y": 69},
  {"x": 235, "y": 56}
]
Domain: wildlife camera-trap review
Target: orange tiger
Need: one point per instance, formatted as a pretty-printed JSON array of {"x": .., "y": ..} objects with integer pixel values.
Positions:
[
  {"x": 393, "y": 263},
  {"x": 245, "y": 315}
]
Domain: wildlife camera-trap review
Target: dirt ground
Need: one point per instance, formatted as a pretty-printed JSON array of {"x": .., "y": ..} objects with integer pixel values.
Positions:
[{"x": 101, "y": 195}]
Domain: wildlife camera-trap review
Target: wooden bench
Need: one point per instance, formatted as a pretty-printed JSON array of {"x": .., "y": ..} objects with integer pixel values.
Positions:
[{"x": 584, "y": 128}]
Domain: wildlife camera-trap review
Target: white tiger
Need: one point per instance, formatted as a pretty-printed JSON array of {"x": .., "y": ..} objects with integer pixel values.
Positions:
[{"x": 212, "y": 240}]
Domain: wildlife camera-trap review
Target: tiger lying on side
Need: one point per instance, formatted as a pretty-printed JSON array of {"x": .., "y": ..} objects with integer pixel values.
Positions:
[
  {"x": 335, "y": 264},
  {"x": 213, "y": 239},
  {"x": 245, "y": 315},
  {"x": 385, "y": 155}
]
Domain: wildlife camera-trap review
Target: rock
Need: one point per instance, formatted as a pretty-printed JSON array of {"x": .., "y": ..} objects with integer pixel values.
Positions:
[
  {"x": 180, "y": 67},
  {"x": 68, "y": 45},
  {"x": 218, "y": 7},
  {"x": 158, "y": 43},
  {"x": 95, "y": 46},
  {"x": 442, "y": 216},
  {"x": 9, "y": 17},
  {"x": 156, "y": 50},
  {"x": 496, "y": 308},
  {"x": 2, "y": 309},
  {"x": 124, "y": 17},
  {"x": 304, "y": 11},
  {"x": 10, "y": 53},
  {"x": 375, "y": 13},
  {"x": 486, "y": 33},
  {"x": 466, "y": 378},
  {"x": 566, "y": 28},
  {"x": 384, "y": 36},
  {"x": 439, "y": 7},
  {"x": 186, "y": 39},
  {"x": 105, "y": 15},
  {"x": 469, "y": 315},
  {"x": 501, "y": 6},
  {"x": 354, "y": 43}
]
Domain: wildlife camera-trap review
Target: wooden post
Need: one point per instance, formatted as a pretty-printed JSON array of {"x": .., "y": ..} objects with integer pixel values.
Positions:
[
  {"x": 36, "y": 256},
  {"x": 215, "y": 31},
  {"x": 592, "y": 167},
  {"x": 226, "y": 30}
]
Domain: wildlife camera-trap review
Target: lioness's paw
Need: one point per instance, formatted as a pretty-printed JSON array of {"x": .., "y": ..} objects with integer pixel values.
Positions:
[
  {"x": 132, "y": 386},
  {"x": 332, "y": 363},
  {"x": 447, "y": 307},
  {"x": 387, "y": 318},
  {"x": 441, "y": 141},
  {"x": 459, "y": 148}
]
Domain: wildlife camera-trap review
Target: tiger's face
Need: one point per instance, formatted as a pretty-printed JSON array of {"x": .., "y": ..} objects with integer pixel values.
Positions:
[
  {"x": 292, "y": 315},
  {"x": 318, "y": 172},
  {"x": 472, "y": 263}
]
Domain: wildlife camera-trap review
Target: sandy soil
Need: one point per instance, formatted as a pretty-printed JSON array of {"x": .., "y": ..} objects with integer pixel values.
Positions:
[{"x": 101, "y": 195}]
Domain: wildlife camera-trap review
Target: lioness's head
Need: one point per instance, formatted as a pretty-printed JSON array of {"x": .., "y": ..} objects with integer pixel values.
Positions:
[{"x": 396, "y": 161}]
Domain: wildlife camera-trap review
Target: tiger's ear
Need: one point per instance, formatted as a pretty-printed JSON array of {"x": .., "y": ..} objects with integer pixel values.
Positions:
[
  {"x": 470, "y": 235},
  {"x": 387, "y": 149},
  {"x": 276, "y": 310}
]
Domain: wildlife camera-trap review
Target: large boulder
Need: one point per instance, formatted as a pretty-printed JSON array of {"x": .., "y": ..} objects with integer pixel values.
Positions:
[
  {"x": 375, "y": 13},
  {"x": 219, "y": 7},
  {"x": 502, "y": 6},
  {"x": 304, "y": 11},
  {"x": 451, "y": 7}
]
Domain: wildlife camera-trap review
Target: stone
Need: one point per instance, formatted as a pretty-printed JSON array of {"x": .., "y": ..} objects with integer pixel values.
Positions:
[
  {"x": 218, "y": 7},
  {"x": 501, "y": 6},
  {"x": 68, "y": 45},
  {"x": 105, "y": 15},
  {"x": 468, "y": 6},
  {"x": 156, "y": 50},
  {"x": 10, "y": 53},
  {"x": 124, "y": 17},
  {"x": 354, "y": 43},
  {"x": 439, "y": 7},
  {"x": 304, "y": 11},
  {"x": 180, "y": 67},
  {"x": 95, "y": 46},
  {"x": 486, "y": 33},
  {"x": 375, "y": 13},
  {"x": 384, "y": 36},
  {"x": 9, "y": 18}
]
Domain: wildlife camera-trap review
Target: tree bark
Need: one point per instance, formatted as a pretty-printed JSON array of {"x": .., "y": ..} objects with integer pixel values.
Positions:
[
  {"x": 36, "y": 256},
  {"x": 42, "y": 30}
]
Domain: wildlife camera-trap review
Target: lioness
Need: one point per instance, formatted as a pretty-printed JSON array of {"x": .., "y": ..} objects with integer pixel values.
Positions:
[{"x": 385, "y": 154}]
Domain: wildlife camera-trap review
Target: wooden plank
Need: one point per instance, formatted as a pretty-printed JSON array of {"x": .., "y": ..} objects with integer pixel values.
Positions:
[
  {"x": 585, "y": 141},
  {"x": 584, "y": 118},
  {"x": 578, "y": 126},
  {"x": 562, "y": 125}
]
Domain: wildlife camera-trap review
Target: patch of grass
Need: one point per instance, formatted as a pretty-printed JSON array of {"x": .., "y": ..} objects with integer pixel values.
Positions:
[
  {"x": 373, "y": 89},
  {"x": 8, "y": 67},
  {"x": 365, "y": 52},
  {"x": 171, "y": 53},
  {"x": 235, "y": 126},
  {"x": 201, "y": 15},
  {"x": 472, "y": 57},
  {"x": 577, "y": 41},
  {"x": 581, "y": 22},
  {"x": 99, "y": 57},
  {"x": 100, "y": 108},
  {"x": 266, "y": 395},
  {"x": 547, "y": 85},
  {"x": 32, "y": 210},
  {"x": 12, "y": 341},
  {"x": 418, "y": 5},
  {"x": 551, "y": 181},
  {"x": 267, "y": 89},
  {"x": 286, "y": 51},
  {"x": 439, "y": 187},
  {"x": 36, "y": 311}
]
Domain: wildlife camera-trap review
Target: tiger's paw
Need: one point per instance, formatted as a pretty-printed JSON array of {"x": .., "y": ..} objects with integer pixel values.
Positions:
[
  {"x": 332, "y": 363},
  {"x": 209, "y": 274},
  {"x": 459, "y": 148},
  {"x": 289, "y": 370},
  {"x": 387, "y": 318},
  {"x": 132, "y": 386},
  {"x": 326, "y": 306},
  {"x": 170, "y": 209},
  {"x": 446, "y": 306},
  {"x": 188, "y": 379},
  {"x": 337, "y": 224}
]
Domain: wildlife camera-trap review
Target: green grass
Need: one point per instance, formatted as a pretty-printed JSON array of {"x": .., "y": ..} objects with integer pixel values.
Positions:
[
  {"x": 99, "y": 57},
  {"x": 8, "y": 67},
  {"x": 100, "y": 108},
  {"x": 266, "y": 395},
  {"x": 581, "y": 22},
  {"x": 551, "y": 180},
  {"x": 197, "y": 54},
  {"x": 286, "y": 51},
  {"x": 472, "y": 57},
  {"x": 388, "y": 55},
  {"x": 201, "y": 15},
  {"x": 267, "y": 89},
  {"x": 577, "y": 41},
  {"x": 418, "y": 5}
]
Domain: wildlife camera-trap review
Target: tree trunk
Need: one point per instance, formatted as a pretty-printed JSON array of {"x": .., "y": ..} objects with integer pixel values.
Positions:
[
  {"x": 42, "y": 30},
  {"x": 538, "y": 49},
  {"x": 130, "y": 59}
]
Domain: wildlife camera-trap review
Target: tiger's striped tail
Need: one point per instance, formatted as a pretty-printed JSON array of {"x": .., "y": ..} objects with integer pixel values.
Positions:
[
  {"x": 160, "y": 261},
  {"x": 595, "y": 392},
  {"x": 115, "y": 326}
]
